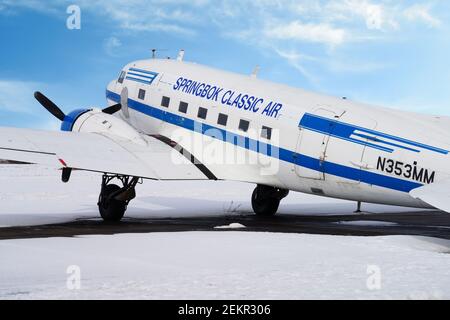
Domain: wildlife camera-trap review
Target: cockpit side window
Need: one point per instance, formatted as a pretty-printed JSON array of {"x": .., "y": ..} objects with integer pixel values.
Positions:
[{"x": 121, "y": 77}]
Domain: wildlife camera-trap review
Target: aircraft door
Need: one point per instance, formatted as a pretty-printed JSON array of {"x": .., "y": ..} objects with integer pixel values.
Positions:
[
  {"x": 346, "y": 148},
  {"x": 313, "y": 143}
]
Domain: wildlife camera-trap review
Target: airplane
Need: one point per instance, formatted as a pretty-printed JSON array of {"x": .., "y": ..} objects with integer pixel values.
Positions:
[{"x": 169, "y": 119}]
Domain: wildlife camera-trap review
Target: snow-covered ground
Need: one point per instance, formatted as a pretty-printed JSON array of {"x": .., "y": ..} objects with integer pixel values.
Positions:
[
  {"x": 220, "y": 264},
  {"x": 225, "y": 265},
  {"x": 34, "y": 195}
]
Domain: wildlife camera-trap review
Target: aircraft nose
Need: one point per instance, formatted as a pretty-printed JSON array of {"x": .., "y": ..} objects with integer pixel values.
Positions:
[
  {"x": 111, "y": 86},
  {"x": 111, "y": 93}
]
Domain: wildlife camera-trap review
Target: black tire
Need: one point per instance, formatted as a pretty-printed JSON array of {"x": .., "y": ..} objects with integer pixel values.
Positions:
[
  {"x": 111, "y": 210},
  {"x": 264, "y": 206}
]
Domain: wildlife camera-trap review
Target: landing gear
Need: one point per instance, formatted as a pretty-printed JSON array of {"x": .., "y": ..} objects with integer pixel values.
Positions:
[
  {"x": 265, "y": 200},
  {"x": 358, "y": 207},
  {"x": 113, "y": 199}
]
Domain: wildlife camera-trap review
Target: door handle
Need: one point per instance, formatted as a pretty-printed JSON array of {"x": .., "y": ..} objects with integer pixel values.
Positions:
[{"x": 362, "y": 165}]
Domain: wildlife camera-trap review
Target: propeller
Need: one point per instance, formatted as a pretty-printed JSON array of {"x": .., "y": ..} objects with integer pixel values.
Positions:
[
  {"x": 113, "y": 109},
  {"x": 59, "y": 114},
  {"x": 49, "y": 105}
]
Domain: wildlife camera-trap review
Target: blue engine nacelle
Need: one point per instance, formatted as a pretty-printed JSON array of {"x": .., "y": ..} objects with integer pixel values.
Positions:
[
  {"x": 97, "y": 121},
  {"x": 71, "y": 118}
]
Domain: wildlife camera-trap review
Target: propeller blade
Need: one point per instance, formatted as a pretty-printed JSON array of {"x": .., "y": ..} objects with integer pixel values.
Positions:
[
  {"x": 113, "y": 109},
  {"x": 49, "y": 105}
]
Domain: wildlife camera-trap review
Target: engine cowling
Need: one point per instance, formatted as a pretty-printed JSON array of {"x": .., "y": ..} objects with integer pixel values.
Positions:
[{"x": 96, "y": 121}]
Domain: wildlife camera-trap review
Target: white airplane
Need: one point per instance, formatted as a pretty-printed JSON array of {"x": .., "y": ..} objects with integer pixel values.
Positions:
[{"x": 174, "y": 120}]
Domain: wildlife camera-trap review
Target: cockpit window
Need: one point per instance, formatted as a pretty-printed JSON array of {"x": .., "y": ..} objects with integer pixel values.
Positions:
[{"x": 121, "y": 77}]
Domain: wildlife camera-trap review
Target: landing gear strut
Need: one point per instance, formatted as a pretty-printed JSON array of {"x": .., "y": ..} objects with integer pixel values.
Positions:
[
  {"x": 358, "y": 207},
  {"x": 113, "y": 199},
  {"x": 265, "y": 200}
]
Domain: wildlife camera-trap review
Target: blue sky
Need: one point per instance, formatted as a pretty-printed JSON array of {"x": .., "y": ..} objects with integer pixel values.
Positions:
[{"x": 391, "y": 53}]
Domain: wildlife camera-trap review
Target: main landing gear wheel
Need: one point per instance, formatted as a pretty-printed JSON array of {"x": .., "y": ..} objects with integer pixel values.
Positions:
[
  {"x": 113, "y": 199},
  {"x": 111, "y": 210},
  {"x": 266, "y": 200}
]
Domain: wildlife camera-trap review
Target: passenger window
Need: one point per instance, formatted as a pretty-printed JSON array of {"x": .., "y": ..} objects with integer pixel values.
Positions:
[
  {"x": 202, "y": 113},
  {"x": 223, "y": 119},
  {"x": 244, "y": 125},
  {"x": 121, "y": 77},
  {"x": 266, "y": 133},
  {"x": 165, "y": 102},
  {"x": 183, "y": 107},
  {"x": 141, "y": 94}
]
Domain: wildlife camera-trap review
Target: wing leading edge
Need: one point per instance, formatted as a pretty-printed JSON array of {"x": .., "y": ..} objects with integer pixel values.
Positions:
[{"x": 98, "y": 152}]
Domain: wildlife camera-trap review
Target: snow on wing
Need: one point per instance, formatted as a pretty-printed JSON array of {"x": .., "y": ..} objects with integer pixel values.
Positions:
[{"x": 97, "y": 152}]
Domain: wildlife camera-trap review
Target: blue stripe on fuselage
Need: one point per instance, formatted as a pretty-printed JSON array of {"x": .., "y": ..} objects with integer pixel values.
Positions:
[
  {"x": 344, "y": 131},
  {"x": 142, "y": 76},
  {"x": 138, "y": 80},
  {"x": 144, "y": 71},
  {"x": 370, "y": 138},
  {"x": 270, "y": 150}
]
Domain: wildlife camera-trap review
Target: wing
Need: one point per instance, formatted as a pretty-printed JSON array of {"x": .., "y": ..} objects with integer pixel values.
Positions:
[
  {"x": 435, "y": 194},
  {"x": 99, "y": 152}
]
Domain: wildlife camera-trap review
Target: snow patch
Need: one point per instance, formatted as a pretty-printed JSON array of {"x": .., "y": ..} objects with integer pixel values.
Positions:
[
  {"x": 231, "y": 226},
  {"x": 230, "y": 265}
]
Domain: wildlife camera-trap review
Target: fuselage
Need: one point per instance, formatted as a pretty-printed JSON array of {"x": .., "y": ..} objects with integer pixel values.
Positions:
[{"x": 246, "y": 129}]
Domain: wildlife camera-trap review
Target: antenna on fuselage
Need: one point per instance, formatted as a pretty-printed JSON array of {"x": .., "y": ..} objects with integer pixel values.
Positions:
[
  {"x": 180, "y": 56},
  {"x": 255, "y": 72},
  {"x": 154, "y": 51}
]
